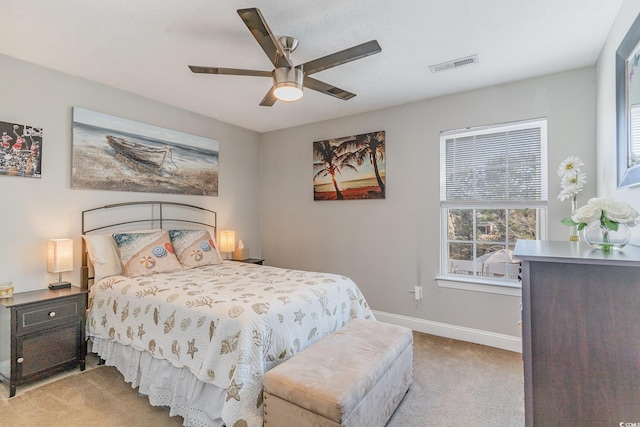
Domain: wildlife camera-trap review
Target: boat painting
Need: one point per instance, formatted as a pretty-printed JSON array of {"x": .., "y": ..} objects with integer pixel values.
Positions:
[
  {"x": 150, "y": 156},
  {"x": 113, "y": 153}
]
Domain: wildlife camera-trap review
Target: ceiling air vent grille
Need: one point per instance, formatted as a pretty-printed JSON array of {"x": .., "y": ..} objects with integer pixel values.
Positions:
[{"x": 456, "y": 63}]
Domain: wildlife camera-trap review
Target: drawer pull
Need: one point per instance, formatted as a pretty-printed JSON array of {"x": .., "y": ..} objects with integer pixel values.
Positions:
[
  {"x": 520, "y": 323},
  {"x": 20, "y": 359},
  {"x": 52, "y": 314}
]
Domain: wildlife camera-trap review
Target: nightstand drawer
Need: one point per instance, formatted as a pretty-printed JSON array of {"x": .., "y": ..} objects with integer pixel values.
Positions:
[{"x": 42, "y": 316}]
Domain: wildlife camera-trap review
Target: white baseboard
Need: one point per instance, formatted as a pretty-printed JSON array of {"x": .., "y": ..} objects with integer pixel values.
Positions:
[{"x": 477, "y": 336}]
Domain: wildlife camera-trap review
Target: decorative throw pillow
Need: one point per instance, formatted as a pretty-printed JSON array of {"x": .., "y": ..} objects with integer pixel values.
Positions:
[
  {"x": 142, "y": 254},
  {"x": 195, "y": 248}
]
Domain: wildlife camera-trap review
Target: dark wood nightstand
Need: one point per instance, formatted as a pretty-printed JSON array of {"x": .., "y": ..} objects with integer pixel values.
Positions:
[
  {"x": 251, "y": 261},
  {"x": 41, "y": 332}
]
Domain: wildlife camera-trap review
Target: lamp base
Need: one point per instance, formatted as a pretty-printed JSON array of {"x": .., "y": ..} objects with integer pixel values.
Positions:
[{"x": 59, "y": 285}]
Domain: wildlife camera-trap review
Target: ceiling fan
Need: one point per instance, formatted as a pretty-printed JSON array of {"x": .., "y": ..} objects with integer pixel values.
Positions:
[{"x": 288, "y": 80}]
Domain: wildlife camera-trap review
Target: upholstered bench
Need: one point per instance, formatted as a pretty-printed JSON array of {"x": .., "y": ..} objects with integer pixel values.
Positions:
[{"x": 355, "y": 377}]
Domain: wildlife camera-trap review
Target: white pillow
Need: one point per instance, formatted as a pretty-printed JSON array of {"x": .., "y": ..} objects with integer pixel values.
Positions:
[{"x": 103, "y": 254}]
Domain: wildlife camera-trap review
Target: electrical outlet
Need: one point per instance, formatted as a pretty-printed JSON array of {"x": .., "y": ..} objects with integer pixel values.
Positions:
[{"x": 418, "y": 293}]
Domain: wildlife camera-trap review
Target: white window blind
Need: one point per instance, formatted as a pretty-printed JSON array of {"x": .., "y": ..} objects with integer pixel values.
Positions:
[
  {"x": 634, "y": 154},
  {"x": 500, "y": 163}
]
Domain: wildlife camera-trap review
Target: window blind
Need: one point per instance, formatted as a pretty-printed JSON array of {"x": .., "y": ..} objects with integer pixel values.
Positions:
[
  {"x": 497, "y": 164},
  {"x": 634, "y": 155}
]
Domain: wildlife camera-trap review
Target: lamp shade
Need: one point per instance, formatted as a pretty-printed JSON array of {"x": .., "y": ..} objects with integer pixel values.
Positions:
[
  {"x": 227, "y": 241},
  {"x": 60, "y": 255}
]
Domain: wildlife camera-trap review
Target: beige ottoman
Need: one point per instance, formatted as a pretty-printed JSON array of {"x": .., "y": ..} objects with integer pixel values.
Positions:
[{"x": 356, "y": 377}]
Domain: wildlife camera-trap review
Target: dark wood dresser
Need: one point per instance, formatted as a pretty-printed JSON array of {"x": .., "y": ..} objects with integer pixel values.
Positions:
[{"x": 581, "y": 334}]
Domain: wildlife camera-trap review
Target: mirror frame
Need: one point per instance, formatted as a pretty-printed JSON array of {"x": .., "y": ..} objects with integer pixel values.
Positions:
[{"x": 626, "y": 176}]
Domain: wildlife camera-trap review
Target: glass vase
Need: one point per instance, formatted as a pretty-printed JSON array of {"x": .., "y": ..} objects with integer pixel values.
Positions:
[
  {"x": 573, "y": 229},
  {"x": 605, "y": 239}
]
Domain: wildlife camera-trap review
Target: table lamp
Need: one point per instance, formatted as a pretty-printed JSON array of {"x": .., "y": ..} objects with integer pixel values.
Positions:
[
  {"x": 59, "y": 259},
  {"x": 227, "y": 241}
]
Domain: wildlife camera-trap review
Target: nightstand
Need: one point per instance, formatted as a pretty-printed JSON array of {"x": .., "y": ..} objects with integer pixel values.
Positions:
[
  {"x": 251, "y": 261},
  {"x": 41, "y": 332}
]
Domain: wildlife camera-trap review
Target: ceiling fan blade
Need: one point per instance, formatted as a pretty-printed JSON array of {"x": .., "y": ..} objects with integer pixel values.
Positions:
[
  {"x": 342, "y": 57},
  {"x": 327, "y": 89},
  {"x": 269, "y": 99},
  {"x": 254, "y": 20},
  {"x": 229, "y": 71}
]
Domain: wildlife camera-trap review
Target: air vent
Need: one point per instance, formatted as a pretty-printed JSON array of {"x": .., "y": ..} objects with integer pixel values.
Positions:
[{"x": 456, "y": 63}]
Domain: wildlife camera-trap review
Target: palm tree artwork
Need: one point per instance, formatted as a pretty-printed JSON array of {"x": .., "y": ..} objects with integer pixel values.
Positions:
[
  {"x": 350, "y": 168},
  {"x": 329, "y": 163},
  {"x": 367, "y": 146}
]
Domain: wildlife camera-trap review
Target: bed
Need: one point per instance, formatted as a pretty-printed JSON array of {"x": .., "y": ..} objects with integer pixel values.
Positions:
[{"x": 197, "y": 333}]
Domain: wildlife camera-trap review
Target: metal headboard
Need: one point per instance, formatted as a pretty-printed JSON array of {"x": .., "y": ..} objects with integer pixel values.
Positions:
[{"x": 154, "y": 217}]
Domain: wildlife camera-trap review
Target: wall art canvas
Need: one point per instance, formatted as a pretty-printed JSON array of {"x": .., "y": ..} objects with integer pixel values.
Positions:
[
  {"x": 113, "y": 153},
  {"x": 20, "y": 150},
  {"x": 350, "y": 168}
]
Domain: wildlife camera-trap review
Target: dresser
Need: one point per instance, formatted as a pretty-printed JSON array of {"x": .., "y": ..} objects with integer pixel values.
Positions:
[
  {"x": 581, "y": 334},
  {"x": 41, "y": 332}
]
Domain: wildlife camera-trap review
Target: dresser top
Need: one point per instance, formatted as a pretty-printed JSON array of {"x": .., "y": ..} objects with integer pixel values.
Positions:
[{"x": 574, "y": 252}]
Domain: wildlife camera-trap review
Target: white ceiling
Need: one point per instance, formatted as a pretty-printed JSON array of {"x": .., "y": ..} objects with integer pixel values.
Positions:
[{"x": 144, "y": 46}]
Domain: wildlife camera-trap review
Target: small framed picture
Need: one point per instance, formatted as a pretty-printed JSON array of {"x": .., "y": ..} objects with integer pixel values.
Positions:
[{"x": 20, "y": 150}]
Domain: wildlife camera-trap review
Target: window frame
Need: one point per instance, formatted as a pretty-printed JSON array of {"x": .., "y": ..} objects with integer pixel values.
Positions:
[{"x": 483, "y": 283}]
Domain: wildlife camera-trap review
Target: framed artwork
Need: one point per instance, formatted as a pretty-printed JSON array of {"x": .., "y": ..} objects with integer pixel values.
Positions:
[
  {"x": 20, "y": 150},
  {"x": 350, "y": 168},
  {"x": 112, "y": 153}
]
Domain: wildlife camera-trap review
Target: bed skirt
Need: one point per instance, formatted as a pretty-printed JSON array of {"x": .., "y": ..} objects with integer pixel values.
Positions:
[{"x": 200, "y": 404}]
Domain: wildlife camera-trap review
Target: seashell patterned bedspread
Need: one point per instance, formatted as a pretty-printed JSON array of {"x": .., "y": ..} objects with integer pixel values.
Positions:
[{"x": 228, "y": 324}]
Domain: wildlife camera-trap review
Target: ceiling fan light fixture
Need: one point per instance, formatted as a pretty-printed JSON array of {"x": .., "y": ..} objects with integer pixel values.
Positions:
[
  {"x": 288, "y": 81},
  {"x": 288, "y": 93},
  {"x": 288, "y": 84}
]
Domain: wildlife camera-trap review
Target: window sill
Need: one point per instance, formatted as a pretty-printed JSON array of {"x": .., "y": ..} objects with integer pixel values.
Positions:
[{"x": 487, "y": 286}]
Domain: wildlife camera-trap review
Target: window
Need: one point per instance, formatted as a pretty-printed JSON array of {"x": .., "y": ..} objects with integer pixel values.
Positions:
[
  {"x": 634, "y": 146},
  {"x": 493, "y": 191}
]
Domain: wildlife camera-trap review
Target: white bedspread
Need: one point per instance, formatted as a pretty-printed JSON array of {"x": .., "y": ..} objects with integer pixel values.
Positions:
[{"x": 227, "y": 324}]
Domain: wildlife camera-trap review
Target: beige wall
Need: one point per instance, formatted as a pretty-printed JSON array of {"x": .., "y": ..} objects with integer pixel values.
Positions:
[
  {"x": 606, "y": 114},
  {"x": 34, "y": 210},
  {"x": 388, "y": 246}
]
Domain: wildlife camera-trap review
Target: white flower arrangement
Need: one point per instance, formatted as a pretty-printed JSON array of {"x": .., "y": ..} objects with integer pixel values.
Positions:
[
  {"x": 572, "y": 178},
  {"x": 603, "y": 212}
]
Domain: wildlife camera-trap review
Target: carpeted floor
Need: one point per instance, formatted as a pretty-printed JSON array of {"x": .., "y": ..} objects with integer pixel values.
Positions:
[
  {"x": 458, "y": 384},
  {"x": 455, "y": 384}
]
